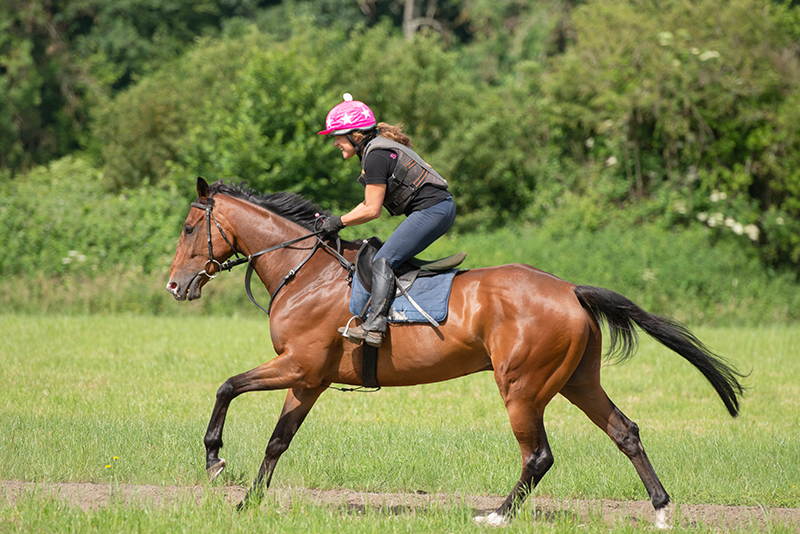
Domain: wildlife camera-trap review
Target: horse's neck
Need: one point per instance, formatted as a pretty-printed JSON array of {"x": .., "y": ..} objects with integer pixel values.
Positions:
[{"x": 257, "y": 229}]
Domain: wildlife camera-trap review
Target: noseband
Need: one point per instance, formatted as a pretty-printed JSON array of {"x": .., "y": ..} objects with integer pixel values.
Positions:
[{"x": 208, "y": 207}]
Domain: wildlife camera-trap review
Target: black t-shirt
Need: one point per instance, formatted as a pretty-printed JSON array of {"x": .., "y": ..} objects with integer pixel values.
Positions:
[{"x": 378, "y": 168}]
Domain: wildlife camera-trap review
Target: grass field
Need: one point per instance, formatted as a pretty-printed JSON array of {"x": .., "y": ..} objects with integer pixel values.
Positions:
[{"x": 126, "y": 399}]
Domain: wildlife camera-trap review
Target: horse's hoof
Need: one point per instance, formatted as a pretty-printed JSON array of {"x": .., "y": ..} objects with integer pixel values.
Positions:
[
  {"x": 493, "y": 520},
  {"x": 215, "y": 469},
  {"x": 663, "y": 518}
]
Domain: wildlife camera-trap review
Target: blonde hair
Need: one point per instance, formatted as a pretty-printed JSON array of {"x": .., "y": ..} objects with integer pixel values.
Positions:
[{"x": 389, "y": 131}]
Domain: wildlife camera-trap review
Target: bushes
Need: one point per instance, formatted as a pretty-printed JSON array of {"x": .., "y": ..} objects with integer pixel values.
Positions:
[
  {"x": 649, "y": 102},
  {"x": 73, "y": 248},
  {"x": 59, "y": 220},
  {"x": 696, "y": 275},
  {"x": 697, "y": 98},
  {"x": 683, "y": 115}
]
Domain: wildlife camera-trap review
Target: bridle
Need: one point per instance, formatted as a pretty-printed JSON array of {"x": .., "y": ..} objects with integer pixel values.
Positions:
[{"x": 208, "y": 207}]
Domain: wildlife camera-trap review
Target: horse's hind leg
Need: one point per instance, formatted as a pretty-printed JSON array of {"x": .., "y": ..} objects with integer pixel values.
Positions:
[
  {"x": 537, "y": 458},
  {"x": 527, "y": 382},
  {"x": 525, "y": 402},
  {"x": 593, "y": 401}
]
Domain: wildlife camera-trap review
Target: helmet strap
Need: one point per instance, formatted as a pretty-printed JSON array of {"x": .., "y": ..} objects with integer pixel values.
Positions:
[{"x": 368, "y": 136}]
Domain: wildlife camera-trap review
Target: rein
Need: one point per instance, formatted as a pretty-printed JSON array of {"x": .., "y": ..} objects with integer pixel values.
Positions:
[{"x": 230, "y": 264}]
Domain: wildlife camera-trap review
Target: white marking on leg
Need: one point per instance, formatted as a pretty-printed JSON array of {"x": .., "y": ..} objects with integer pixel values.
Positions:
[
  {"x": 662, "y": 518},
  {"x": 493, "y": 520},
  {"x": 217, "y": 470}
]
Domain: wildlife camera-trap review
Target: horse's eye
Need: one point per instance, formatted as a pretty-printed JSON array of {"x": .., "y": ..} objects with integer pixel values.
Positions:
[{"x": 188, "y": 230}]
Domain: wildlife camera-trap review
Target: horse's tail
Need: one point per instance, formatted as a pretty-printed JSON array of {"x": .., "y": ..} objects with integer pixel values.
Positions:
[{"x": 621, "y": 314}]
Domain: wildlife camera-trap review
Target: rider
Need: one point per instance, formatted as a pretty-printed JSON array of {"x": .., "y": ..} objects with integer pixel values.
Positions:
[{"x": 395, "y": 177}]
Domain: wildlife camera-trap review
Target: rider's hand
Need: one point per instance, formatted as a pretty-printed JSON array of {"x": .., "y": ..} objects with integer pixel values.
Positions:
[{"x": 332, "y": 225}]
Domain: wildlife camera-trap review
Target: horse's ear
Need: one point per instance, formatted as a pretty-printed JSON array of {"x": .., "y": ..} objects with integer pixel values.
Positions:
[{"x": 202, "y": 188}]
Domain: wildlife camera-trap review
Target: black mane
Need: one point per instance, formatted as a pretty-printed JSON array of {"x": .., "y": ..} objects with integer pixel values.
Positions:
[{"x": 290, "y": 206}]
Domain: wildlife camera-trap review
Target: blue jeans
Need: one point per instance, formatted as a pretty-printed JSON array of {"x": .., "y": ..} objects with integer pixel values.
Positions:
[{"x": 417, "y": 231}]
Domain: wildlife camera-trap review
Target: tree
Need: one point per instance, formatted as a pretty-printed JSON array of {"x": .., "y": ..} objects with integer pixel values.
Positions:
[
  {"x": 60, "y": 59},
  {"x": 43, "y": 112},
  {"x": 696, "y": 99}
]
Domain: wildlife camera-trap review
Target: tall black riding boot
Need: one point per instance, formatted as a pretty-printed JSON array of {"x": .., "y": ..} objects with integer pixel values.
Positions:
[{"x": 374, "y": 328}]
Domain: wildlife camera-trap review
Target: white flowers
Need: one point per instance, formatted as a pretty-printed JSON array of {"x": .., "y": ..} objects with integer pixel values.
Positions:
[
  {"x": 716, "y": 196},
  {"x": 719, "y": 220},
  {"x": 650, "y": 275},
  {"x": 73, "y": 255},
  {"x": 711, "y": 220},
  {"x": 752, "y": 232},
  {"x": 667, "y": 39}
]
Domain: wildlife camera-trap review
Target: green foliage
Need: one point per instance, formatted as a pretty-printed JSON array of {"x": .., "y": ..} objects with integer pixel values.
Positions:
[
  {"x": 246, "y": 108},
  {"x": 237, "y": 107},
  {"x": 60, "y": 60},
  {"x": 465, "y": 129},
  {"x": 647, "y": 104},
  {"x": 684, "y": 115},
  {"x": 42, "y": 105},
  {"x": 58, "y": 220},
  {"x": 260, "y": 110},
  {"x": 141, "y": 130},
  {"x": 664, "y": 98},
  {"x": 71, "y": 247},
  {"x": 261, "y": 124}
]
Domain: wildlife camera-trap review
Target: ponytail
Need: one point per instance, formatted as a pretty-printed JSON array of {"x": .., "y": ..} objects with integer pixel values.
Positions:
[
  {"x": 389, "y": 131},
  {"x": 394, "y": 133}
]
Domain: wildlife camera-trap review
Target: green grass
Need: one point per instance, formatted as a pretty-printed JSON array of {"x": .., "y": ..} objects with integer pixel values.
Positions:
[
  {"x": 47, "y": 515},
  {"x": 80, "y": 391}
]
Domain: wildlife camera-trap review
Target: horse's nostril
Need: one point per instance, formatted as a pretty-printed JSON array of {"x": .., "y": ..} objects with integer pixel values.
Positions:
[{"x": 172, "y": 286}]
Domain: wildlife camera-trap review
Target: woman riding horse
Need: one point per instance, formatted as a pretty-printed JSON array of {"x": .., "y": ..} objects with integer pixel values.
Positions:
[
  {"x": 394, "y": 176},
  {"x": 538, "y": 334}
]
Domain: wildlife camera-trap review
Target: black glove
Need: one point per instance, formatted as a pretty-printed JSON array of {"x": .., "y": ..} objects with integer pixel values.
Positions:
[{"x": 332, "y": 225}]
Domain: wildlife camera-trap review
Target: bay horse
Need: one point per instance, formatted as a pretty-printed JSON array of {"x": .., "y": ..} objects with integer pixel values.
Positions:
[{"x": 538, "y": 334}]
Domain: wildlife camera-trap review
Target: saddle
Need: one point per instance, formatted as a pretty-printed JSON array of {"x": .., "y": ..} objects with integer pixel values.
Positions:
[{"x": 408, "y": 272}]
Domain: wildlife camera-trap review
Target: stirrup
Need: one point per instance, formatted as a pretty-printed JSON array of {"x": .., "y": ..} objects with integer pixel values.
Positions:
[{"x": 345, "y": 331}]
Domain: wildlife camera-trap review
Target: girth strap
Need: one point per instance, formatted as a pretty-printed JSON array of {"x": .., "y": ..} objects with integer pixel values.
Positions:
[{"x": 369, "y": 366}]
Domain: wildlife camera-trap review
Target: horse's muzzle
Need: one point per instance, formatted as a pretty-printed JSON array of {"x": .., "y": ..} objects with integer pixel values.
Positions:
[
  {"x": 172, "y": 287},
  {"x": 188, "y": 291}
]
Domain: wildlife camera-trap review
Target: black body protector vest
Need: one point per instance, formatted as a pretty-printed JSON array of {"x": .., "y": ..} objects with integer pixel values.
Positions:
[{"x": 410, "y": 173}]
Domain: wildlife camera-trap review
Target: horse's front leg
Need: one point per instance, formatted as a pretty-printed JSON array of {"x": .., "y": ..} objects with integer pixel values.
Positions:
[
  {"x": 295, "y": 409},
  {"x": 280, "y": 373}
]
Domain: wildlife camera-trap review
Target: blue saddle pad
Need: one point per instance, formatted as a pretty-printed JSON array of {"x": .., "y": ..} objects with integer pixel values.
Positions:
[{"x": 432, "y": 293}]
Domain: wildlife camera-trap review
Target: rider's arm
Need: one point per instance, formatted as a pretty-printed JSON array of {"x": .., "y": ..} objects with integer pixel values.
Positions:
[{"x": 369, "y": 209}]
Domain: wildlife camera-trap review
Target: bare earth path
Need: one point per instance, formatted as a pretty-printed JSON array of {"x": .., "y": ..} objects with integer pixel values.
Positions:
[{"x": 90, "y": 497}]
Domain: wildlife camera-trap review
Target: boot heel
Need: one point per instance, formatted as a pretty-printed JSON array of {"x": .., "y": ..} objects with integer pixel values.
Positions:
[{"x": 374, "y": 339}]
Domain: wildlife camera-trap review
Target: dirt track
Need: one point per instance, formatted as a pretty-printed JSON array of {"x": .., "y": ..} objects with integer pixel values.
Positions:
[{"x": 93, "y": 496}]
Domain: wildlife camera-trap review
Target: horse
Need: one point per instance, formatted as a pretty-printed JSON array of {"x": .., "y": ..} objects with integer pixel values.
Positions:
[{"x": 540, "y": 335}]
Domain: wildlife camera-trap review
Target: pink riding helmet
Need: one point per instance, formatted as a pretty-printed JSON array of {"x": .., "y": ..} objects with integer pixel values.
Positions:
[{"x": 348, "y": 116}]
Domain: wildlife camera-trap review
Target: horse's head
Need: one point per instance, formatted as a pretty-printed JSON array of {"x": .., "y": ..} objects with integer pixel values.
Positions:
[{"x": 201, "y": 249}]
